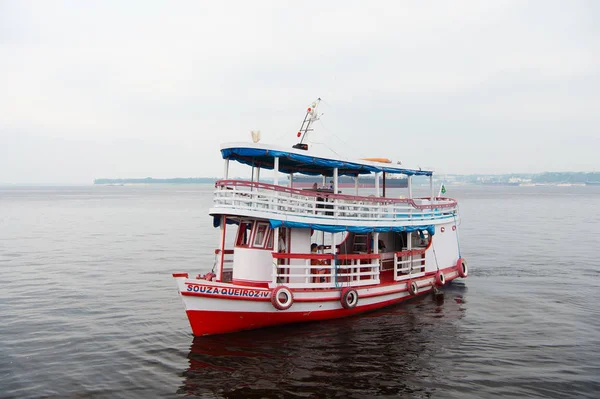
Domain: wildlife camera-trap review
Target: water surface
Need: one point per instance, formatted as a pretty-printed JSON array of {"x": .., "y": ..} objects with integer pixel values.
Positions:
[{"x": 88, "y": 307}]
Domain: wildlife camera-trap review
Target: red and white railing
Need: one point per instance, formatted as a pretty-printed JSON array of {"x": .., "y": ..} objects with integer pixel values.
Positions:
[
  {"x": 297, "y": 270},
  {"x": 409, "y": 263},
  {"x": 358, "y": 269},
  {"x": 269, "y": 198}
]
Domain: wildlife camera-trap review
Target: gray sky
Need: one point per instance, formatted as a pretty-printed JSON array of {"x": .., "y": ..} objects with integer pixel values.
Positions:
[{"x": 148, "y": 88}]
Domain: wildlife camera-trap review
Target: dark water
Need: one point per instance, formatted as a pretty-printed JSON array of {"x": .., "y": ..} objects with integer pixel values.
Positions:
[{"x": 88, "y": 308}]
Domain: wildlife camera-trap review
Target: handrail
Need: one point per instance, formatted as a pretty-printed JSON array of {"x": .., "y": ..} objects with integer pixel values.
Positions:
[
  {"x": 309, "y": 193},
  {"x": 282, "y": 255},
  {"x": 226, "y": 252},
  {"x": 409, "y": 252},
  {"x": 357, "y": 256}
]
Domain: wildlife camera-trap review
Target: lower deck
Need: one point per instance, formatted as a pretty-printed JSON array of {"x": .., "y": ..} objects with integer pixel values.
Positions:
[{"x": 252, "y": 253}]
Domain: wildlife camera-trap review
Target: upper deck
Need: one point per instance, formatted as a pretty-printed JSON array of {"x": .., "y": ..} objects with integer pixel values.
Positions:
[
  {"x": 328, "y": 207},
  {"x": 269, "y": 201}
]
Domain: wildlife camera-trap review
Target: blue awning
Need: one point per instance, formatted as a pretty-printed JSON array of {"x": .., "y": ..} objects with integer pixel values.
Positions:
[
  {"x": 293, "y": 162},
  {"x": 351, "y": 229}
]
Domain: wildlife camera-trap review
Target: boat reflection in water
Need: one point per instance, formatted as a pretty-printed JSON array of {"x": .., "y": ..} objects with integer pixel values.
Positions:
[{"x": 398, "y": 350}]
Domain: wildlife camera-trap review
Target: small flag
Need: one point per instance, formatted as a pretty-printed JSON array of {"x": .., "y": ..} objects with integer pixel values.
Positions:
[{"x": 443, "y": 189}]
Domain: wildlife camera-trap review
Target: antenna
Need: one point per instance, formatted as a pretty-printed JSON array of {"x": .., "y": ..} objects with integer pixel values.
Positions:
[{"x": 309, "y": 118}]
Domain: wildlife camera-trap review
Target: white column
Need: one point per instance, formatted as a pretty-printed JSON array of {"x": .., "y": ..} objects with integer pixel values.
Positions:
[
  {"x": 276, "y": 239},
  {"x": 258, "y": 174},
  {"x": 356, "y": 185},
  {"x": 335, "y": 191},
  {"x": 291, "y": 180},
  {"x": 375, "y": 243},
  {"x": 226, "y": 170},
  {"x": 410, "y": 187},
  {"x": 324, "y": 181},
  {"x": 377, "y": 184},
  {"x": 219, "y": 271},
  {"x": 409, "y": 247},
  {"x": 333, "y": 242},
  {"x": 276, "y": 171},
  {"x": 335, "y": 180},
  {"x": 431, "y": 187},
  {"x": 275, "y": 262}
]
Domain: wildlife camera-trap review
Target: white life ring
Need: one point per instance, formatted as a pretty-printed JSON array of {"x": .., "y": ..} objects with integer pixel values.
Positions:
[
  {"x": 443, "y": 229},
  {"x": 282, "y": 298},
  {"x": 349, "y": 298},
  {"x": 413, "y": 288},
  {"x": 461, "y": 267},
  {"x": 440, "y": 279}
]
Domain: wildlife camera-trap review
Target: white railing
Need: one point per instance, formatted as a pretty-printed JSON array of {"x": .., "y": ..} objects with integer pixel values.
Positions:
[
  {"x": 409, "y": 263},
  {"x": 325, "y": 270},
  {"x": 269, "y": 198}
]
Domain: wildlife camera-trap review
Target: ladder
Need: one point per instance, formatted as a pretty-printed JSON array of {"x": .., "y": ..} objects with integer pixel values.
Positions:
[{"x": 360, "y": 242}]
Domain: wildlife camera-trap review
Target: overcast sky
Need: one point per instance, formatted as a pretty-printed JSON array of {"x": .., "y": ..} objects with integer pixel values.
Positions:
[{"x": 148, "y": 88}]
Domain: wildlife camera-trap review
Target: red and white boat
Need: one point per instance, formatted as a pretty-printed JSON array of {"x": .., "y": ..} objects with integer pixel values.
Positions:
[{"x": 371, "y": 251}]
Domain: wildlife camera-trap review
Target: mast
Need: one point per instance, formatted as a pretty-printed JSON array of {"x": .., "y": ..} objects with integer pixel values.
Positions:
[{"x": 309, "y": 118}]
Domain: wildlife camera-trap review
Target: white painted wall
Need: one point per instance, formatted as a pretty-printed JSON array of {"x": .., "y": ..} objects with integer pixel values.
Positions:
[
  {"x": 252, "y": 264},
  {"x": 446, "y": 248},
  {"x": 300, "y": 241}
]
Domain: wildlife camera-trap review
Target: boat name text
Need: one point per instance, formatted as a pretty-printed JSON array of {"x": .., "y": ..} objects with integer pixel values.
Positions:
[{"x": 227, "y": 291}]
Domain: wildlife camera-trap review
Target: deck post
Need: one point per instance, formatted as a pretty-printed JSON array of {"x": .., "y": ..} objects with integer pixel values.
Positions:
[
  {"x": 226, "y": 169},
  {"x": 335, "y": 180},
  {"x": 291, "y": 180},
  {"x": 356, "y": 185},
  {"x": 409, "y": 248},
  {"x": 219, "y": 271},
  {"x": 377, "y": 184},
  {"x": 335, "y": 191},
  {"x": 375, "y": 250},
  {"x": 276, "y": 248},
  {"x": 409, "y": 187},
  {"x": 276, "y": 171},
  {"x": 431, "y": 188}
]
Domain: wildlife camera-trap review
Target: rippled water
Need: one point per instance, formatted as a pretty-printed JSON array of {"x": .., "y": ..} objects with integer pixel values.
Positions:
[{"x": 88, "y": 307}]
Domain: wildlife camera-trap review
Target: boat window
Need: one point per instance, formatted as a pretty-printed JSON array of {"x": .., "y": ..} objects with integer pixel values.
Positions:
[
  {"x": 270, "y": 239},
  {"x": 243, "y": 235},
  {"x": 260, "y": 235}
]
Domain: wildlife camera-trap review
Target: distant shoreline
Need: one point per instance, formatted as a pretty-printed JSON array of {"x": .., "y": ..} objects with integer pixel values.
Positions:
[
  {"x": 513, "y": 179},
  {"x": 150, "y": 180}
]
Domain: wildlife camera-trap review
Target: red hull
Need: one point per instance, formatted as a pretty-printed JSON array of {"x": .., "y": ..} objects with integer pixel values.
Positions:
[{"x": 204, "y": 322}]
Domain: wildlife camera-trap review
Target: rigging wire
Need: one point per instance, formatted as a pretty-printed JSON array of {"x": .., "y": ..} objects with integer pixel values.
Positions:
[
  {"x": 434, "y": 254},
  {"x": 457, "y": 240}
]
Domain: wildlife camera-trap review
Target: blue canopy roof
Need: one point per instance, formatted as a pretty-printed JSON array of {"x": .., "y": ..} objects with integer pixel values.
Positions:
[
  {"x": 351, "y": 229},
  {"x": 299, "y": 161}
]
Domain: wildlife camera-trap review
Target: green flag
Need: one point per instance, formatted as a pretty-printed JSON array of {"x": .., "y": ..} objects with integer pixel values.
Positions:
[{"x": 443, "y": 189}]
